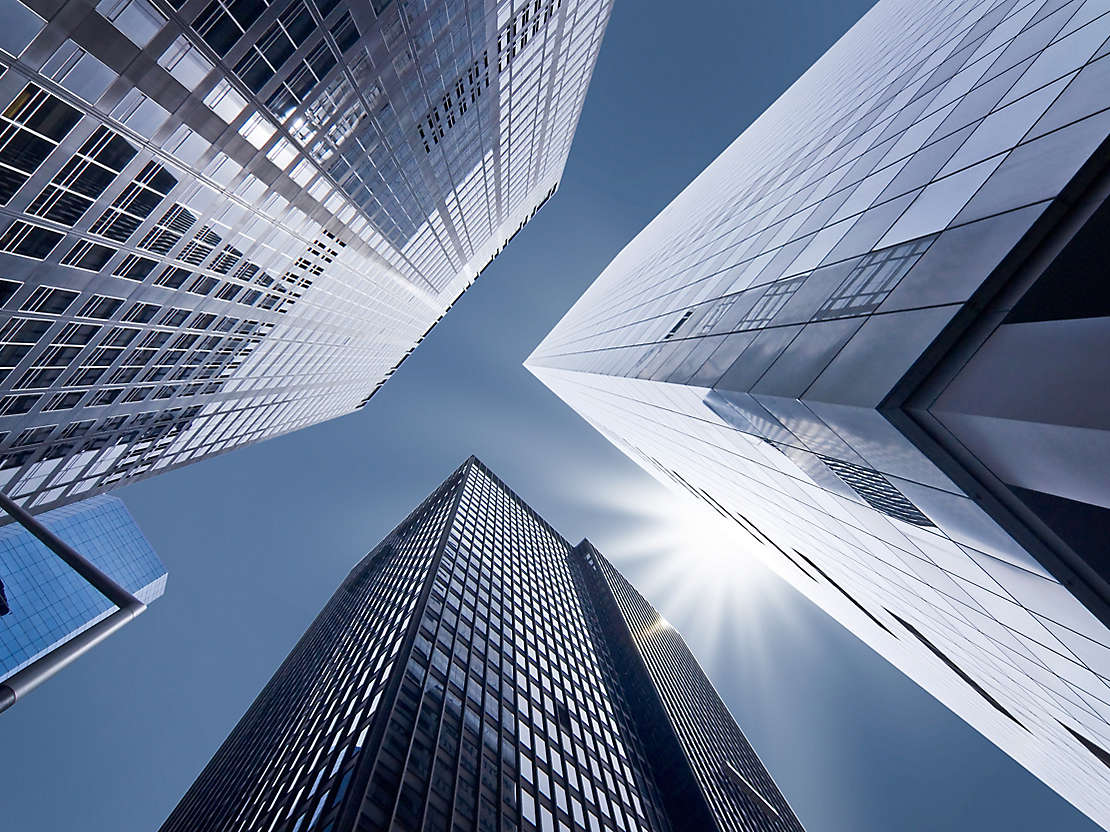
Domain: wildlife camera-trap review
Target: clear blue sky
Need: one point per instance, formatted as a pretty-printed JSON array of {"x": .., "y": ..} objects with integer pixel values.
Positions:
[{"x": 256, "y": 540}]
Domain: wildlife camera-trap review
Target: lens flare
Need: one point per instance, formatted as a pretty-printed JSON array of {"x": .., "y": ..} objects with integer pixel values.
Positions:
[{"x": 703, "y": 572}]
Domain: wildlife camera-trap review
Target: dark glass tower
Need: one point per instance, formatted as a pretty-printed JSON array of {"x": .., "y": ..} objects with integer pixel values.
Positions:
[{"x": 477, "y": 672}]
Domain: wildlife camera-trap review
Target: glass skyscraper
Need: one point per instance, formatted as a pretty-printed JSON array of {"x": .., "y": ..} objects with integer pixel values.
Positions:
[
  {"x": 223, "y": 220},
  {"x": 48, "y": 602},
  {"x": 478, "y": 672},
  {"x": 875, "y": 333}
]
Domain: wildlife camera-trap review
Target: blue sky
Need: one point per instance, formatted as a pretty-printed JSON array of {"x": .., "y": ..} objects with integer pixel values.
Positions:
[{"x": 257, "y": 540}]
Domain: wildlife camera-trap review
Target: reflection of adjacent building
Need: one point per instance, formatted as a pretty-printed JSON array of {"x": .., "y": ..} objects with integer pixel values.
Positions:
[
  {"x": 874, "y": 334},
  {"x": 476, "y": 671},
  {"x": 48, "y": 603},
  {"x": 223, "y": 221}
]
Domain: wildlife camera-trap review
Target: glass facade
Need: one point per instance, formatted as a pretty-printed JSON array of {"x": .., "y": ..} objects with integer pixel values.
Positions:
[
  {"x": 223, "y": 221},
  {"x": 474, "y": 672},
  {"x": 48, "y": 602},
  {"x": 873, "y": 334}
]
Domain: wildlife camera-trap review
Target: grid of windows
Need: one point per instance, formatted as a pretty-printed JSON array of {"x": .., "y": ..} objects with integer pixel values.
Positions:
[
  {"x": 500, "y": 706},
  {"x": 49, "y": 602},
  {"x": 822, "y": 316},
  {"x": 290, "y": 761},
  {"x": 264, "y": 167},
  {"x": 707, "y": 734}
]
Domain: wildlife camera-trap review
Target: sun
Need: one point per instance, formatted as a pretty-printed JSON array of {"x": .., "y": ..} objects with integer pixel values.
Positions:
[{"x": 701, "y": 571}]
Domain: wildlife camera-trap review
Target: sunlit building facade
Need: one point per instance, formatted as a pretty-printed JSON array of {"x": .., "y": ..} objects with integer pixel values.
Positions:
[
  {"x": 875, "y": 333},
  {"x": 478, "y": 672},
  {"x": 47, "y": 602},
  {"x": 223, "y": 220}
]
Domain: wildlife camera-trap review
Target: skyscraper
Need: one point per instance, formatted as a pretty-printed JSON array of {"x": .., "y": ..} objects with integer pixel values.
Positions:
[
  {"x": 477, "y": 672},
  {"x": 224, "y": 220},
  {"x": 874, "y": 333},
  {"x": 48, "y": 602}
]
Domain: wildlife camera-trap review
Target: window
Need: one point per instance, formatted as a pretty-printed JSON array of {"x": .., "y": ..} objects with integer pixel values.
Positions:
[
  {"x": 169, "y": 230},
  {"x": 301, "y": 81},
  {"x": 185, "y": 63},
  {"x": 7, "y": 289},
  {"x": 141, "y": 113},
  {"x": 771, "y": 301},
  {"x": 222, "y": 24},
  {"x": 136, "y": 19},
  {"x": 225, "y": 101},
  {"x": 17, "y": 405},
  {"x": 21, "y": 25},
  {"x": 88, "y": 255},
  {"x": 142, "y": 313},
  {"x": 876, "y": 491},
  {"x": 30, "y": 127},
  {"x": 173, "y": 277},
  {"x": 174, "y": 317},
  {"x": 458, "y": 98},
  {"x": 49, "y": 300},
  {"x": 83, "y": 178},
  {"x": 29, "y": 240},
  {"x": 100, "y": 306},
  {"x": 135, "y": 203},
  {"x": 872, "y": 280},
  {"x": 79, "y": 72},
  {"x": 345, "y": 33},
  {"x": 678, "y": 324},
  {"x": 64, "y": 401},
  {"x": 202, "y": 244},
  {"x": 104, "y": 397},
  {"x": 134, "y": 267},
  {"x": 203, "y": 285},
  {"x": 257, "y": 130},
  {"x": 266, "y": 57}
]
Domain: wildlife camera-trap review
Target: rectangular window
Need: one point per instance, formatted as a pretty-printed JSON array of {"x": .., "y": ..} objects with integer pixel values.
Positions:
[
  {"x": 219, "y": 29},
  {"x": 100, "y": 306},
  {"x": 30, "y": 127},
  {"x": 29, "y": 240},
  {"x": 265, "y": 58},
  {"x": 173, "y": 277},
  {"x": 142, "y": 313},
  {"x": 169, "y": 230},
  {"x": 345, "y": 33},
  {"x": 871, "y": 281},
  {"x": 134, "y": 267},
  {"x": 135, "y": 203},
  {"x": 7, "y": 289},
  {"x": 88, "y": 255},
  {"x": 83, "y": 178},
  {"x": 876, "y": 491},
  {"x": 136, "y": 19},
  {"x": 185, "y": 63}
]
